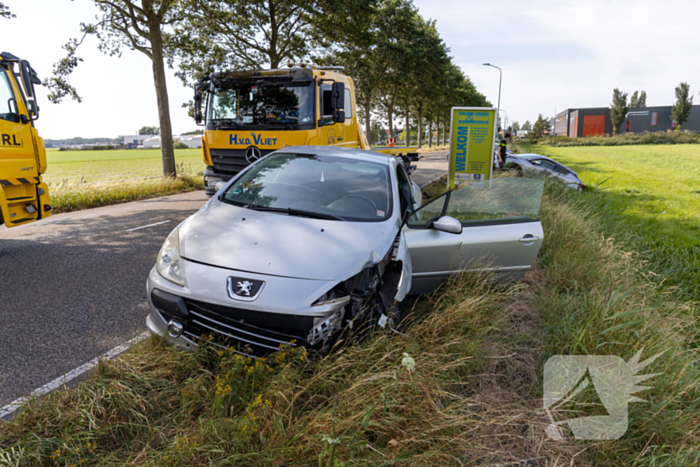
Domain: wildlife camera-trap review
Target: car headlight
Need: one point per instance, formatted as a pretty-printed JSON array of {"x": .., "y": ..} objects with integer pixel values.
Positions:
[{"x": 168, "y": 263}]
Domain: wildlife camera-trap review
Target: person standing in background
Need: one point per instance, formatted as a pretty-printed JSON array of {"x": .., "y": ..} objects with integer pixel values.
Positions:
[{"x": 502, "y": 153}]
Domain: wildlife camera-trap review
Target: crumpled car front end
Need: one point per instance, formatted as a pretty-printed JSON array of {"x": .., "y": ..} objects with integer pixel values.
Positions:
[{"x": 257, "y": 313}]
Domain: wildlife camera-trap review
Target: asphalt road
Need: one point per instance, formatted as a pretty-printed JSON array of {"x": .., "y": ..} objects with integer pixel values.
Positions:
[{"x": 73, "y": 286}]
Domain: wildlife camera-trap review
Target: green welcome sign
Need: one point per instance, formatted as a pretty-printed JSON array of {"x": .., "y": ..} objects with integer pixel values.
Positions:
[{"x": 472, "y": 131}]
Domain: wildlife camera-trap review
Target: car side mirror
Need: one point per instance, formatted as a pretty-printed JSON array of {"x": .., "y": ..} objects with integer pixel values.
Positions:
[
  {"x": 448, "y": 224},
  {"x": 537, "y": 162}
]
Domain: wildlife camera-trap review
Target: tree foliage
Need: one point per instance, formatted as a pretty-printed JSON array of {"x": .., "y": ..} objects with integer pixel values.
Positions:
[
  {"x": 633, "y": 99},
  {"x": 149, "y": 130},
  {"x": 618, "y": 109},
  {"x": 402, "y": 68},
  {"x": 642, "y": 101},
  {"x": 541, "y": 128},
  {"x": 252, "y": 34},
  {"x": 680, "y": 112},
  {"x": 5, "y": 11},
  {"x": 515, "y": 127},
  {"x": 638, "y": 100},
  {"x": 143, "y": 25},
  {"x": 527, "y": 126}
]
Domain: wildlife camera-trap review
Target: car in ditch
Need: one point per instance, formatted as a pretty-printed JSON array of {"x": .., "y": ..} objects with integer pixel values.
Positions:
[
  {"x": 536, "y": 165},
  {"x": 312, "y": 243}
]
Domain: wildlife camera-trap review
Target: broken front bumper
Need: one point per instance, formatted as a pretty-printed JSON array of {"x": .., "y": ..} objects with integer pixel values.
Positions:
[{"x": 204, "y": 309}]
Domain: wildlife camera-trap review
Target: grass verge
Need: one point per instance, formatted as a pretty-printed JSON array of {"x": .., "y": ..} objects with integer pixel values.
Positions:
[
  {"x": 66, "y": 198},
  {"x": 462, "y": 386},
  {"x": 651, "y": 203},
  {"x": 684, "y": 137}
]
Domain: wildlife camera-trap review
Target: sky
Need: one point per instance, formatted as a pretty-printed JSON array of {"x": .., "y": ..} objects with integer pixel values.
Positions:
[{"x": 554, "y": 55}]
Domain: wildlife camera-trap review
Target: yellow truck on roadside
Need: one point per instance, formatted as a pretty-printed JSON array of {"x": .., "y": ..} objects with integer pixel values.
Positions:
[
  {"x": 249, "y": 114},
  {"x": 24, "y": 197}
]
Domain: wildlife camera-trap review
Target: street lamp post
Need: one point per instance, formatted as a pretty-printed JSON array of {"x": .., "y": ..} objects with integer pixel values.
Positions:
[{"x": 500, "y": 79}]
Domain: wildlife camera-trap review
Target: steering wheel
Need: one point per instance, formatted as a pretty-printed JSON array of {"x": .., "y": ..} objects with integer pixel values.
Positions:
[{"x": 363, "y": 198}]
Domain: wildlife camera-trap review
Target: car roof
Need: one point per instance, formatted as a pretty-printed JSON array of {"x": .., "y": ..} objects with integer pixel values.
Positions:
[
  {"x": 540, "y": 156},
  {"x": 363, "y": 154}
]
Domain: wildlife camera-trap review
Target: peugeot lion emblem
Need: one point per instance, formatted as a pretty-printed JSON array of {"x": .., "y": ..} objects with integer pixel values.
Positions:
[
  {"x": 244, "y": 288},
  {"x": 241, "y": 288},
  {"x": 252, "y": 154}
]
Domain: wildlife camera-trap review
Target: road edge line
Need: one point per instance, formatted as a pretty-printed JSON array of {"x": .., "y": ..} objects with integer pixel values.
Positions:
[{"x": 16, "y": 405}]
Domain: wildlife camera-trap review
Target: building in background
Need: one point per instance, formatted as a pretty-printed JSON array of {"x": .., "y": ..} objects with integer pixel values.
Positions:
[
  {"x": 596, "y": 121},
  {"x": 192, "y": 142},
  {"x": 135, "y": 141}
]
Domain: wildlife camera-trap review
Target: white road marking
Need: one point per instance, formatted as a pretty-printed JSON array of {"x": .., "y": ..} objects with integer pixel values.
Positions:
[
  {"x": 71, "y": 375},
  {"x": 145, "y": 226},
  {"x": 431, "y": 181}
]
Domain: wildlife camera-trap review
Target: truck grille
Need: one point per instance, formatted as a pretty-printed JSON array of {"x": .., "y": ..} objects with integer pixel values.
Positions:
[
  {"x": 232, "y": 161},
  {"x": 226, "y": 330}
]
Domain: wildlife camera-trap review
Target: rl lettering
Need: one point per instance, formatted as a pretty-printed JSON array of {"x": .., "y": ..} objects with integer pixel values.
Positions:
[{"x": 6, "y": 140}]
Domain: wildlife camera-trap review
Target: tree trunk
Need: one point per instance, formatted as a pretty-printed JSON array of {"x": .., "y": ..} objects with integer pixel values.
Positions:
[
  {"x": 406, "y": 129},
  {"x": 274, "y": 35},
  {"x": 430, "y": 134},
  {"x": 390, "y": 113},
  {"x": 420, "y": 124},
  {"x": 437, "y": 137},
  {"x": 368, "y": 126},
  {"x": 166, "y": 131},
  {"x": 444, "y": 141}
]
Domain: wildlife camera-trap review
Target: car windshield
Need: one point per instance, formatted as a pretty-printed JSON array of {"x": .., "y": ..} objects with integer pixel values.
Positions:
[
  {"x": 267, "y": 102},
  {"x": 316, "y": 186}
]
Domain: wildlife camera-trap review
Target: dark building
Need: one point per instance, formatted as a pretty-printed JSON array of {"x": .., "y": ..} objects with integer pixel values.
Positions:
[{"x": 596, "y": 121}]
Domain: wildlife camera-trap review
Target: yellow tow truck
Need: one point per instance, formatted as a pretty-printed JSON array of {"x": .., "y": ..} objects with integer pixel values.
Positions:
[
  {"x": 249, "y": 114},
  {"x": 24, "y": 197}
]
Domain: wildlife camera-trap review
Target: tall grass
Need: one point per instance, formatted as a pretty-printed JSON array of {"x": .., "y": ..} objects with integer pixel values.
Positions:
[
  {"x": 73, "y": 197},
  {"x": 596, "y": 298}
]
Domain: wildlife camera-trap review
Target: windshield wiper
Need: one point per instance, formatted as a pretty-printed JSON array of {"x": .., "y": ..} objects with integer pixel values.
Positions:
[
  {"x": 297, "y": 212},
  {"x": 222, "y": 123},
  {"x": 270, "y": 125}
]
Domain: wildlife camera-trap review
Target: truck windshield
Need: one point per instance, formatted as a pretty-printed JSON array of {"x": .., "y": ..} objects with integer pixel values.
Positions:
[{"x": 282, "y": 103}]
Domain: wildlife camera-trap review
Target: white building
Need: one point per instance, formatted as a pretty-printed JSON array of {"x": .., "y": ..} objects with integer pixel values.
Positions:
[
  {"x": 192, "y": 141},
  {"x": 136, "y": 140}
]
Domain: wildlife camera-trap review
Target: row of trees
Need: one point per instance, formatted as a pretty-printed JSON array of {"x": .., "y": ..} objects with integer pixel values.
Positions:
[
  {"x": 680, "y": 112},
  {"x": 401, "y": 66}
]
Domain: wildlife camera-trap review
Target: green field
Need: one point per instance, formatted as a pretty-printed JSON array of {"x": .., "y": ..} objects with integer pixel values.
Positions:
[
  {"x": 656, "y": 188},
  {"x": 74, "y": 167}
]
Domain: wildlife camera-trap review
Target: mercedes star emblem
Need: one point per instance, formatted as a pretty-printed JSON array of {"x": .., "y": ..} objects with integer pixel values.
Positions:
[{"x": 252, "y": 154}]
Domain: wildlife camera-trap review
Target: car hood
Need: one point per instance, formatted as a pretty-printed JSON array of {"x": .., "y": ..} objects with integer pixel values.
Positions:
[{"x": 232, "y": 237}]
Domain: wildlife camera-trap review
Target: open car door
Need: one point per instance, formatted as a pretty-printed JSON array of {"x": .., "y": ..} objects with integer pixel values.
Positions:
[{"x": 494, "y": 228}]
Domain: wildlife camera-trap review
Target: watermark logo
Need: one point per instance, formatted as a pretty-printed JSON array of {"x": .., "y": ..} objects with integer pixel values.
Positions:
[{"x": 581, "y": 384}]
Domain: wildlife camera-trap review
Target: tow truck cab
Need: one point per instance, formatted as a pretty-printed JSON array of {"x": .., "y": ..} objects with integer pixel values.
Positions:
[
  {"x": 24, "y": 197},
  {"x": 249, "y": 114}
]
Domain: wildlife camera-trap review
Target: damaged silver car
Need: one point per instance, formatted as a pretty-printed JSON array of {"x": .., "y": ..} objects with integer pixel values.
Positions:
[{"x": 311, "y": 243}]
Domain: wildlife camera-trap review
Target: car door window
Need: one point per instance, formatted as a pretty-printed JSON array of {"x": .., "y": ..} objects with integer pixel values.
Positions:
[
  {"x": 545, "y": 164},
  {"x": 561, "y": 169},
  {"x": 504, "y": 200},
  {"x": 8, "y": 104}
]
